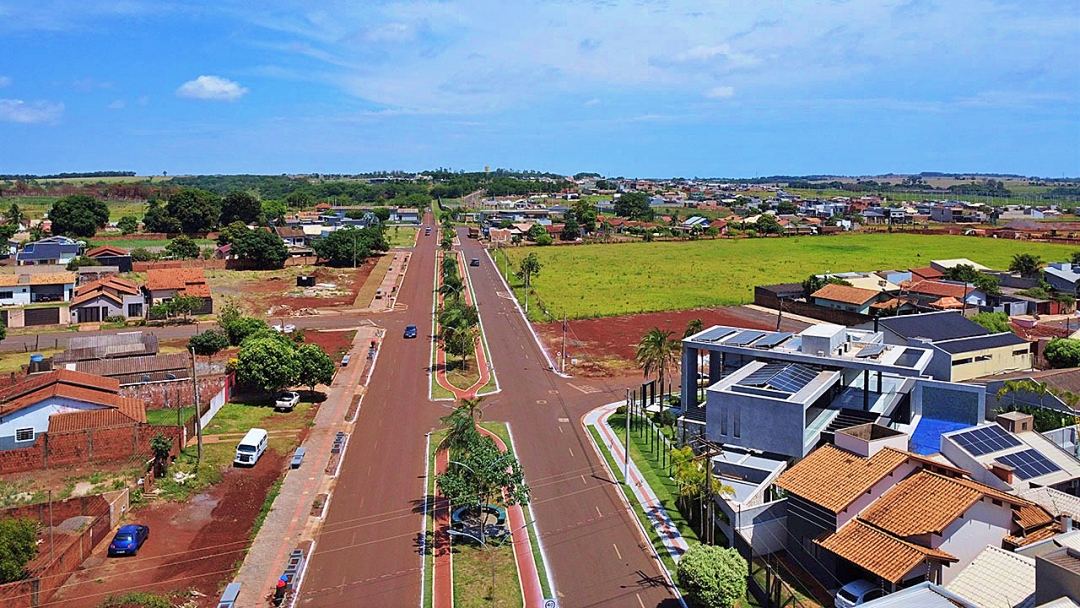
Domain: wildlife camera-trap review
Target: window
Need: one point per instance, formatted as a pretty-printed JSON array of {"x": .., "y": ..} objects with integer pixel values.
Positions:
[
  {"x": 983, "y": 358},
  {"x": 26, "y": 434},
  {"x": 723, "y": 418},
  {"x": 6, "y": 295},
  {"x": 134, "y": 310},
  {"x": 961, "y": 361},
  {"x": 736, "y": 419},
  {"x": 1021, "y": 352}
]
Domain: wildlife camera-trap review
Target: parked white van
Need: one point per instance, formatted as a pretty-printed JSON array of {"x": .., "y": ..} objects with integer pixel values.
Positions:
[{"x": 251, "y": 447}]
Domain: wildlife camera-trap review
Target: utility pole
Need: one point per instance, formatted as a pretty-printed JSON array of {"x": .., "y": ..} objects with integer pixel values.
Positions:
[
  {"x": 198, "y": 414},
  {"x": 626, "y": 444},
  {"x": 562, "y": 365}
]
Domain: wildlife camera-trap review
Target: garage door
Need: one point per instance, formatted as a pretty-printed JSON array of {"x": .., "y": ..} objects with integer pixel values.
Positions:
[{"x": 42, "y": 316}]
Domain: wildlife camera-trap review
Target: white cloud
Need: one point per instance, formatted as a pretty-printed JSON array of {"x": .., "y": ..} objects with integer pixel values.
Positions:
[
  {"x": 119, "y": 104},
  {"x": 212, "y": 87},
  {"x": 142, "y": 100},
  {"x": 720, "y": 92},
  {"x": 595, "y": 101},
  {"x": 5, "y": 81},
  {"x": 17, "y": 110}
]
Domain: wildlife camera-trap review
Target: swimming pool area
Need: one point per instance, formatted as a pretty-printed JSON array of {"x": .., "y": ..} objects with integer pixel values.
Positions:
[{"x": 926, "y": 439}]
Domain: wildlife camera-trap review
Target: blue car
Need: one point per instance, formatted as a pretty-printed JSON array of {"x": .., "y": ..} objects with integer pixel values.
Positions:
[
  {"x": 128, "y": 539},
  {"x": 410, "y": 331}
]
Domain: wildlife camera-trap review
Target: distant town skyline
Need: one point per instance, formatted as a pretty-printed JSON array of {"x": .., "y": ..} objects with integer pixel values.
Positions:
[{"x": 647, "y": 88}]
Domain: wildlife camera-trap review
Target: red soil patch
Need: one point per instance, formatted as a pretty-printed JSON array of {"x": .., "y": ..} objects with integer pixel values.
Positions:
[
  {"x": 606, "y": 345},
  {"x": 193, "y": 545},
  {"x": 333, "y": 343},
  {"x": 322, "y": 275}
]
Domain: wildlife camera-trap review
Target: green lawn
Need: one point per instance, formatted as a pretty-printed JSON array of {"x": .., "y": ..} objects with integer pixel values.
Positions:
[
  {"x": 605, "y": 280},
  {"x": 169, "y": 416},
  {"x": 130, "y": 244},
  {"x": 36, "y": 206},
  {"x": 401, "y": 236},
  {"x": 239, "y": 418}
]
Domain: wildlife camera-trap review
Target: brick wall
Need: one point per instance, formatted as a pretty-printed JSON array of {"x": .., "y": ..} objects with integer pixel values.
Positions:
[
  {"x": 52, "y": 567},
  {"x": 160, "y": 395},
  {"x": 109, "y": 444}
]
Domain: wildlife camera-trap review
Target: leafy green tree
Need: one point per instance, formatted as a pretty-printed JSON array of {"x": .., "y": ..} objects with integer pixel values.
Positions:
[
  {"x": 316, "y": 367},
  {"x": 273, "y": 212},
  {"x": 1075, "y": 259},
  {"x": 786, "y": 207},
  {"x": 529, "y": 268},
  {"x": 657, "y": 352},
  {"x": 157, "y": 219},
  {"x": 986, "y": 283},
  {"x": 161, "y": 446},
  {"x": 15, "y": 215},
  {"x": 196, "y": 210},
  {"x": 260, "y": 248},
  {"x": 183, "y": 247},
  {"x": 584, "y": 213},
  {"x": 240, "y": 206},
  {"x": 693, "y": 327},
  {"x": 571, "y": 230},
  {"x": 227, "y": 314},
  {"x": 3, "y": 331},
  {"x": 383, "y": 213},
  {"x": 712, "y": 577},
  {"x": 80, "y": 262},
  {"x": 535, "y": 231},
  {"x": 483, "y": 474},
  {"x": 8, "y": 230},
  {"x": 814, "y": 282},
  {"x": 634, "y": 205},
  {"x": 231, "y": 232},
  {"x": 209, "y": 342},
  {"x": 129, "y": 224},
  {"x": 460, "y": 341},
  {"x": 544, "y": 240},
  {"x": 239, "y": 329},
  {"x": 268, "y": 364},
  {"x": 300, "y": 199},
  {"x": 767, "y": 224},
  {"x": 460, "y": 425},
  {"x": 996, "y": 322},
  {"x": 18, "y": 545},
  {"x": 78, "y": 215},
  {"x": 183, "y": 305},
  {"x": 1063, "y": 352},
  {"x": 1026, "y": 264},
  {"x": 351, "y": 246},
  {"x": 142, "y": 254}
]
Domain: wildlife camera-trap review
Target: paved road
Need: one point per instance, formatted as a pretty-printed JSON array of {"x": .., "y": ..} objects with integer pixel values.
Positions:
[{"x": 367, "y": 553}]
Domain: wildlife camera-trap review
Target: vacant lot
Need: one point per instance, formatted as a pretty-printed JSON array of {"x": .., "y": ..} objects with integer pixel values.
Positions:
[{"x": 604, "y": 280}]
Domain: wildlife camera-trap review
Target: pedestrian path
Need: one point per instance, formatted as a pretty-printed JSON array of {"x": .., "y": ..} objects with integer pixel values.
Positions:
[
  {"x": 480, "y": 358},
  {"x": 657, "y": 515},
  {"x": 290, "y": 523}
]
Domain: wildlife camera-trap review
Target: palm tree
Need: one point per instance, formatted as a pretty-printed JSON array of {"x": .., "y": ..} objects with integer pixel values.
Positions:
[
  {"x": 693, "y": 327},
  {"x": 657, "y": 352},
  {"x": 461, "y": 424},
  {"x": 1026, "y": 264}
]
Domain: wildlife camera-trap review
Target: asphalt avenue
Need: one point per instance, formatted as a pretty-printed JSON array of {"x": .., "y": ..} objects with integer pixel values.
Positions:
[{"x": 367, "y": 553}]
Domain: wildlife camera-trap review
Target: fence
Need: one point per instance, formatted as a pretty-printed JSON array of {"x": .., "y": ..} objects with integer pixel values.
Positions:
[{"x": 62, "y": 551}]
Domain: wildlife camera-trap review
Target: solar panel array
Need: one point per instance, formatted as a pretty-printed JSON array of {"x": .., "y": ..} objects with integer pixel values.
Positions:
[
  {"x": 772, "y": 340},
  {"x": 713, "y": 335},
  {"x": 870, "y": 350},
  {"x": 762, "y": 376},
  {"x": 793, "y": 379},
  {"x": 1029, "y": 464},
  {"x": 744, "y": 337},
  {"x": 985, "y": 439}
]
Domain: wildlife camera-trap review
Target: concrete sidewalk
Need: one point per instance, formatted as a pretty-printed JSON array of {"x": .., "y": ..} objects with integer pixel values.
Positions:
[
  {"x": 290, "y": 523},
  {"x": 657, "y": 515}
]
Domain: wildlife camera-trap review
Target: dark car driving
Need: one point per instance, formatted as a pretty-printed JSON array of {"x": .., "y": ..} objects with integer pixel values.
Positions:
[
  {"x": 128, "y": 539},
  {"x": 410, "y": 332}
]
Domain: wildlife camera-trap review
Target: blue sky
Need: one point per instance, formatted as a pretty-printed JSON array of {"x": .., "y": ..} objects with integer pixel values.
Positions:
[{"x": 643, "y": 88}]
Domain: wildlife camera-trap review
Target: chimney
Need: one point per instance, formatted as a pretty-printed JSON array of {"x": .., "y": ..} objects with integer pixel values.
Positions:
[
  {"x": 1016, "y": 422},
  {"x": 1066, "y": 523},
  {"x": 1002, "y": 471}
]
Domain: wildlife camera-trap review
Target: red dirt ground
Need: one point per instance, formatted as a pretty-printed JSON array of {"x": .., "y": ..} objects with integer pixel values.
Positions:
[
  {"x": 193, "y": 545},
  {"x": 606, "y": 346},
  {"x": 333, "y": 343},
  {"x": 322, "y": 275}
]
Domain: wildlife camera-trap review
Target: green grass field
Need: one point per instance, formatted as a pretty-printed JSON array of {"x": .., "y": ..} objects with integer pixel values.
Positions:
[
  {"x": 130, "y": 244},
  {"x": 36, "y": 206},
  {"x": 605, "y": 280}
]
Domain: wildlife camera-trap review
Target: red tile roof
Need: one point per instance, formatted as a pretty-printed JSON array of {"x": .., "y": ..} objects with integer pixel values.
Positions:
[
  {"x": 833, "y": 478},
  {"x": 879, "y": 552},
  {"x": 110, "y": 287},
  {"x": 134, "y": 413},
  {"x": 926, "y": 272},
  {"x": 106, "y": 250},
  {"x": 845, "y": 293},
  {"x": 62, "y": 376},
  {"x": 935, "y": 288},
  {"x": 77, "y": 386},
  {"x": 186, "y": 281}
]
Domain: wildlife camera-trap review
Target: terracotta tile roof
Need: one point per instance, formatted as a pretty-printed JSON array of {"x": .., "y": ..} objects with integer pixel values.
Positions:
[
  {"x": 1041, "y": 534},
  {"x": 935, "y": 288},
  {"x": 1032, "y": 516},
  {"x": 63, "y": 376},
  {"x": 186, "y": 281},
  {"x": 41, "y": 278},
  {"x": 834, "y": 478},
  {"x": 844, "y": 293},
  {"x": 108, "y": 250},
  {"x": 926, "y": 272},
  {"x": 921, "y": 504},
  {"x": 86, "y": 296},
  {"x": 110, "y": 287},
  {"x": 95, "y": 419},
  {"x": 879, "y": 552}
]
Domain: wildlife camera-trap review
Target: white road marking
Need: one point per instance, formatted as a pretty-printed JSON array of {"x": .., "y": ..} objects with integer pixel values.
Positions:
[
  {"x": 598, "y": 513},
  {"x": 571, "y": 452},
  {"x": 614, "y": 546},
  {"x": 583, "y": 480},
  {"x": 638, "y": 596}
]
